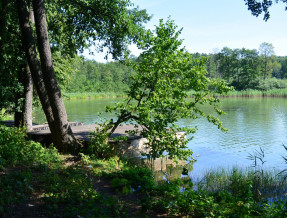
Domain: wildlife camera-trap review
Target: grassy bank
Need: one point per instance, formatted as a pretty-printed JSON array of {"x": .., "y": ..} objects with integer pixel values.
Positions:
[
  {"x": 92, "y": 95},
  {"x": 249, "y": 93},
  {"x": 87, "y": 186},
  {"x": 258, "y": 93},
  {"x": 244, "y": 93}
]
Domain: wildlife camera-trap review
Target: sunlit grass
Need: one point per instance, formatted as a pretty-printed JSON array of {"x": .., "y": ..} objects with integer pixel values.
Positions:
[
  {"x": 251, "y": 93},
  {"x": 268, "y": 184},
  {"x": 243, "y": 93},
  {"x": 258, "y": 93},
  {"x": 91, "y": 95}
]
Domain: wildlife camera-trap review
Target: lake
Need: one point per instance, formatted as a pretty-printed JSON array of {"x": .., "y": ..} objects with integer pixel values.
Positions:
[{"x": 251, "y": 122}]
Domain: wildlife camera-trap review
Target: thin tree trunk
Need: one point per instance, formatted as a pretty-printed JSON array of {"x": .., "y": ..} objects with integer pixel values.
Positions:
[
  {"x": 28, "y": 92},
  {"x": 65, "y": 138},
  {"x": 34, "y": 64},
  {"x": 24, "y": 117}
]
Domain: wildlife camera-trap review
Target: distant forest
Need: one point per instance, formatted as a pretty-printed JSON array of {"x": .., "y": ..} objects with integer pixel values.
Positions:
[{"x": 241, "y": 68}]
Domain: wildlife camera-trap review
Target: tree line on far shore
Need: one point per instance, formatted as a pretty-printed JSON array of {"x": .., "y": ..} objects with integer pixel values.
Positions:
[
  {"x": 241, "y": 68},
  {"x": 248, "y": 69}
]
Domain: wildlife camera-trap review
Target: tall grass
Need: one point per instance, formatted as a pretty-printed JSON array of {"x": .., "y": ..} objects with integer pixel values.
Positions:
[
  {"x": 257, "y": 93},
  {"x": 251, "y": 93},
  {"x": 268, "y": 185},
  {"x": 90, "y": 95},
  {"x": 244, "y": 93}
]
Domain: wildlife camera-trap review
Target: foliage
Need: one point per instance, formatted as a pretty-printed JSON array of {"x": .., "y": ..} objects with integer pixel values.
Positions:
[
  {"x": 99, "y": 145},
  {"x": 245, "y": 68},
  {"x": 242, "y": 68},
  {"x": 75, "y": 25},
  {"x": 91, "y": 95},
  {"x": 157, "y": 96},
  {"x": 11, "y": 59},
  {"x": 15, "y": 187},
  {"x": 272, "y": 83},
  {"x": 91, "y": 76},
  {"x": 4, "y": 115},
  {"x": 71, "y": 186},
  {"x": 71, "y": 191},
  {"x": 134, "y": 178},
  {"x": 15, "y": 150},
  {"x": 258, "y": 7},
  {"x": 178, "y": 198}
]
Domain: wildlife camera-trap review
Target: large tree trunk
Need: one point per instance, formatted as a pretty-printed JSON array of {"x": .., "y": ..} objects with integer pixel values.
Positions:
[
  {"x": 34, "y": 64},
  {"x": 64, "y": 138}
]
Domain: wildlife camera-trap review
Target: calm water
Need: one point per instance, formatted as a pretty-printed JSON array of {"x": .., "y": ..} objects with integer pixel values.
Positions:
[{"x": 252, "y": 123}]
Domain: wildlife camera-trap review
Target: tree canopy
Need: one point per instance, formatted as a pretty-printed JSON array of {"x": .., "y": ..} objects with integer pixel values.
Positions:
[
  {"x": 258, "y": 7},
  {"x": 77, "y": 24},
  {"x": 157, "y": 96},
  {"x": 66, "y": 26}
]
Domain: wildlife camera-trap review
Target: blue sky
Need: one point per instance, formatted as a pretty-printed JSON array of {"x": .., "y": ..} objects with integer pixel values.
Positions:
[{"x": 210, "y": 25}]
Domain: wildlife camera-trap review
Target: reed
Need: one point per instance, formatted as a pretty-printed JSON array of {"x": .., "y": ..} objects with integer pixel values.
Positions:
[
  {"x": 92, "y": 95},
  {"x": 268, "y": 184},
  {"x": 243, "y": 93}
]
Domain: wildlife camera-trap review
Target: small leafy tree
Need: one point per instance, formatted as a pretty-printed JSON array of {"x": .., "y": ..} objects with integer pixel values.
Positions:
[{"x": 157, "y": 97}]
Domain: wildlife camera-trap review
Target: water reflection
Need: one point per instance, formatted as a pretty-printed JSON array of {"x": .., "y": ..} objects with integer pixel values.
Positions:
[
  {"x": 252, "y": 123},
  {"x": 166, "y": 169}
]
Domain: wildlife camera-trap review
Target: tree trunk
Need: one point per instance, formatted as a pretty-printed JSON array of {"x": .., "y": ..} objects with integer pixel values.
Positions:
[
  {"x": 34, "y": 64},
  {"x": 24, "y": 118},
  {"x": 64, "y": 138},
  {"x": 28, "y": 93}
]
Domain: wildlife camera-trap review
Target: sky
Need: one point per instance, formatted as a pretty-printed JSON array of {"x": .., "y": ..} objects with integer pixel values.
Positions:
[{"x": 210, "y": 25}]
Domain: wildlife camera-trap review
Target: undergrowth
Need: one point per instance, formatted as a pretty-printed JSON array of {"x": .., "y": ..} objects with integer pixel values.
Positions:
[{"x": 69, "y": 186}]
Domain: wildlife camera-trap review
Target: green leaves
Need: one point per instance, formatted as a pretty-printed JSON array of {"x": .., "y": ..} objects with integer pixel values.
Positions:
[
  {"x": 75, "y": 25},
  {"x": 157, "y": 97}
]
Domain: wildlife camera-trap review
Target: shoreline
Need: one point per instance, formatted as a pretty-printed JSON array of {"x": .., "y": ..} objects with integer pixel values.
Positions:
[{"x": 250, "y": 93}]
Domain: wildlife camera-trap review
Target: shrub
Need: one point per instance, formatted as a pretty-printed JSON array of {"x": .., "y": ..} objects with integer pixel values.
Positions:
[
  {"x": 272, "y": 83},
  {"x": 15, "y": 149}
]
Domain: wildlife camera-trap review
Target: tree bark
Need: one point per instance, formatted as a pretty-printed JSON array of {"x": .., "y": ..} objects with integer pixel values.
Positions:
[
  {"x": 28, "y": 96},
  {"x": 34, "y": 64},
  {"x": 24, "y": 117},
  {"x": 64, "y": 138}
]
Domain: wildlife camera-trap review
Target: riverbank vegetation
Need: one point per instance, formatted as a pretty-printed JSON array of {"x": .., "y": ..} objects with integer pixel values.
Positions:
[
  {"x": 281, "y": 93},
  {"x": 95, "y": 181},
  {"x": 37, "y": 181},
  {"x": 250, "y": 72}
]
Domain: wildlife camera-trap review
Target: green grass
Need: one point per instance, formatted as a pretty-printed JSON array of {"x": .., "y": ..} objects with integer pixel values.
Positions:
[
  {"x": 268, "y": 184},
  {"x": 249, "y": 93},
  {"x": 244, "y": 93},
  {"x": 5, "y": 116},
  {"x": 92, "y": 95},
  {"x": 66, "y": 185},
  {"x": 257, "y": 93}
]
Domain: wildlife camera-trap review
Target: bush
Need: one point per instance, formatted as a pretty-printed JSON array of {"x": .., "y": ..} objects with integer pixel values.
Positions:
[
  {"x": 272, "y": 83},
  {"x": 15, "y": 149}
]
